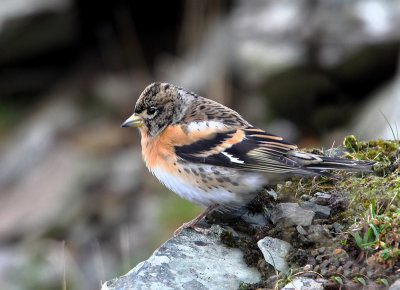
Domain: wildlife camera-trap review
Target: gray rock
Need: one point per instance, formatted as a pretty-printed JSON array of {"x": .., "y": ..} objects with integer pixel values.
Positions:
[
  {"x": 395, "y": 285},
  {"x": 289, "y": 214},
  {"x": 308, "y": 267},
  {"x": 337, "y": 227},
  {"x": 305, "y": 197},
  {"x": 301, "y": 230},
  {"x": 256, "y": 220},
  {"x": 189, "y": 261},
  {"x": 321, "y": 211},
  {"x": 301, "y": 283},
  {"x": 275, "y": 251},
  {"x": 321, "y": 198},
  {"x": 319, "y": 234}
]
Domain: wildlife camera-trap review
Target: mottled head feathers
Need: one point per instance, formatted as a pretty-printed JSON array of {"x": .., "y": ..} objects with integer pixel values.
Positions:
[{"x": 159, "y": 106}]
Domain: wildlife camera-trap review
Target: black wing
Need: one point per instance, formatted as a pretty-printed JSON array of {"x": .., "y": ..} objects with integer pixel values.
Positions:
[{"x": 246, "y": 148}]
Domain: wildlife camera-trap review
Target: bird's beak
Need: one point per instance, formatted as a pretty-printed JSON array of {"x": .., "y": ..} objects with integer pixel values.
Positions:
[{"x": 133, "y": 121}]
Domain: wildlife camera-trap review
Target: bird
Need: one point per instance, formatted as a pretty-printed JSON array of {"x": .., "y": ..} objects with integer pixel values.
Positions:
[{"x": 210, "y": 155}]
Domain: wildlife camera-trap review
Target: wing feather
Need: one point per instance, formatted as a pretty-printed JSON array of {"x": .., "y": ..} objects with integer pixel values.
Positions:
[{"x": 242, "y": 148}]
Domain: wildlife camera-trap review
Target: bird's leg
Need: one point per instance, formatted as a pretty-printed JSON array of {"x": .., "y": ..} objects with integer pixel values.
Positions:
[{"x": 193, "y": 223}]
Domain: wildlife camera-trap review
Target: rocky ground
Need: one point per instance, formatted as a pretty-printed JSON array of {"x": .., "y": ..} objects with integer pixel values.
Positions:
[{"x": 342, "y": 232}]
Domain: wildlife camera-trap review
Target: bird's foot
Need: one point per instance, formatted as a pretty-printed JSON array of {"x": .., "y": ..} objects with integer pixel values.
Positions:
[{"x": 193, "y": 223}]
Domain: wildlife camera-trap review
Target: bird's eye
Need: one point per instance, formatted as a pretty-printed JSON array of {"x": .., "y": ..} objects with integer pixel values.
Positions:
[{"x": 151, "y": 110}]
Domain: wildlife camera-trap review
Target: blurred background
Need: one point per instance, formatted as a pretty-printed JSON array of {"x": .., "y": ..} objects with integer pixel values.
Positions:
[{"x": 77, "y": 205}]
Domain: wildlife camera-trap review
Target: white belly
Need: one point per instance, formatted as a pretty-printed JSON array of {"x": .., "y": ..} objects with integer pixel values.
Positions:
[{"x": 226, "y": 194}]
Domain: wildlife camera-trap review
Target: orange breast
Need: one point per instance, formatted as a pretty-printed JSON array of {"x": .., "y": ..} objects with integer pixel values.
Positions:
[{"x": 159, "y": 151}]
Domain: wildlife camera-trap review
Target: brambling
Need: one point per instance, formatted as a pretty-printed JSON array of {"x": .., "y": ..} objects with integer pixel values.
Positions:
[{"x": 208, "y": 154}]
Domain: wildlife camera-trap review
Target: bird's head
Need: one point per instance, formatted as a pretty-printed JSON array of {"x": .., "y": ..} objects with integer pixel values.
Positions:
[{"x": 159, "y": 105}]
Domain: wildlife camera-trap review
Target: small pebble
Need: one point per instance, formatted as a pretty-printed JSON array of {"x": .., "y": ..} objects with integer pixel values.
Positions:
[
  {"x": 337, "y": 227},
  {"x": 324, "y": 264},
  {"x": 355, "y": 271},
  {"x": 342, "y": 259},
  {"x": 324, "y": 267},
  {"x": 363, "y": 272},
  {"x": 311, "y": 260},
  {"x": 324, "y": 271},
  {"x": 301, "y": 230},
  {"x": 346, "y": 273},
  {"x": 370, "y": 272},
  {"x": 348, "y": 265},
  {"x": 308, "y": 267},
  {"x": 321, "y": 280},
  {"x": 331, "y": 270},
  {"x": 347, "y": 269},
  {"x": 322, "y": 198},
  {"x": 334, "y": 261}
]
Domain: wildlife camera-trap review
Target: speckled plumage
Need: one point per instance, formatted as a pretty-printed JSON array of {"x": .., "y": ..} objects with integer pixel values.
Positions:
[{"x": 209, "y": 155}]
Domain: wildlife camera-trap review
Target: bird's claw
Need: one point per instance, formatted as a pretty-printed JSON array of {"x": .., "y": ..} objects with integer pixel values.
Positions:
[{"x": 193, "y": 226}]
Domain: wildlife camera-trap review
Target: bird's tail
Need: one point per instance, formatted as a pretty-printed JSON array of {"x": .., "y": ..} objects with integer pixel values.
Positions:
[
  {"x": 319, "y": 164},
  {"x": 329, "y": 163}
]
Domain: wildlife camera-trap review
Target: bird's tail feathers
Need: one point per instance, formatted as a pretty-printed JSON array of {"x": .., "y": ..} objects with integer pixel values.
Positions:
[
  {"x": 329, "y": 163},
  {"x": 320, "y": 163}
]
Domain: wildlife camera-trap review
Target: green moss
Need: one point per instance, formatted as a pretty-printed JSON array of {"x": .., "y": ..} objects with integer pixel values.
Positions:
[
  {"x": 228, "y": 240},
  {"x": 383, "y": 188},
  {"x": 243, "y": 286},
  {"x": 383, "y": 151},
  {"x": 361, "y": 192}
]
